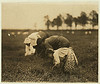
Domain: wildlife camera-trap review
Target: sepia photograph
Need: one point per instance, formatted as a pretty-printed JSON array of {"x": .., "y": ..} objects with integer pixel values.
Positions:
[{"x": 49, "y": 42}]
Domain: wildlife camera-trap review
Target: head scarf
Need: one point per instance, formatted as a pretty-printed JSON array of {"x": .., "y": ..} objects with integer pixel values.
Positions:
[{"x": 32, "y": 39}]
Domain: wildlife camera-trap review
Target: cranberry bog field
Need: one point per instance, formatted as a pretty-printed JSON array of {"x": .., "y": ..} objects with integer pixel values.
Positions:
[{"x": 19, "y": 68}]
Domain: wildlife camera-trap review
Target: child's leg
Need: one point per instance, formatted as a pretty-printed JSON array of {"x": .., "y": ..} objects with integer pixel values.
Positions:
[
  {"x": 27, "y": 50},
  {"x": 32, "y": 50}
]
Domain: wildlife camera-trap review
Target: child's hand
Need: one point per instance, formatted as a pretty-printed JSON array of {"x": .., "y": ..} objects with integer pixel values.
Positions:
[
  {"x": 56, "y": 66},
  {"x": 53, "y": 67}
]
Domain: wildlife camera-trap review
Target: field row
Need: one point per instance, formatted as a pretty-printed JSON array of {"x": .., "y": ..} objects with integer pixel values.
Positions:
[{"x": 26, "y": 33}]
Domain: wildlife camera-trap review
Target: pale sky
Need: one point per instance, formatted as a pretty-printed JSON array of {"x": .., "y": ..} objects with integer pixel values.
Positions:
[{"x": 25, "y": 15}]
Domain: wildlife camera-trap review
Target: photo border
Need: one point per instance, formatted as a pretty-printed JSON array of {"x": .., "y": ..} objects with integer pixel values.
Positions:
[{"x": 45, "y": 1}]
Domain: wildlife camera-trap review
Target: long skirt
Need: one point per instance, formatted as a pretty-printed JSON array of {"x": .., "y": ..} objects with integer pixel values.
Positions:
[{"x": 70, "y": 63}]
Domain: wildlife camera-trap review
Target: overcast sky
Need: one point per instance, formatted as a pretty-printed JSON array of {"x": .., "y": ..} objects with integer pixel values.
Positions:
[{"x": 25, "y": 15}]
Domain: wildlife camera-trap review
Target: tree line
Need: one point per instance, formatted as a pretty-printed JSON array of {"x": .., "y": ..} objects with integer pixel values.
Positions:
[{"x": 82, "y": 20}]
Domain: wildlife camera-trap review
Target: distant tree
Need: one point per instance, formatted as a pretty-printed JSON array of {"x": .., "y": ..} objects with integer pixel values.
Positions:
[
  {"x": 57, "y": 21},
  {"x": 35, "y": 25},
  {"x": 47, "y": 21},
  {"x": 53, "y": 23},
  {"x": 93, "y": 16},
  {"x": 48, "y": 24},
  {"x": 75, "y": 20},
  {"x": 69, "y": 20},
  {"x": 82, "y": 19}
]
